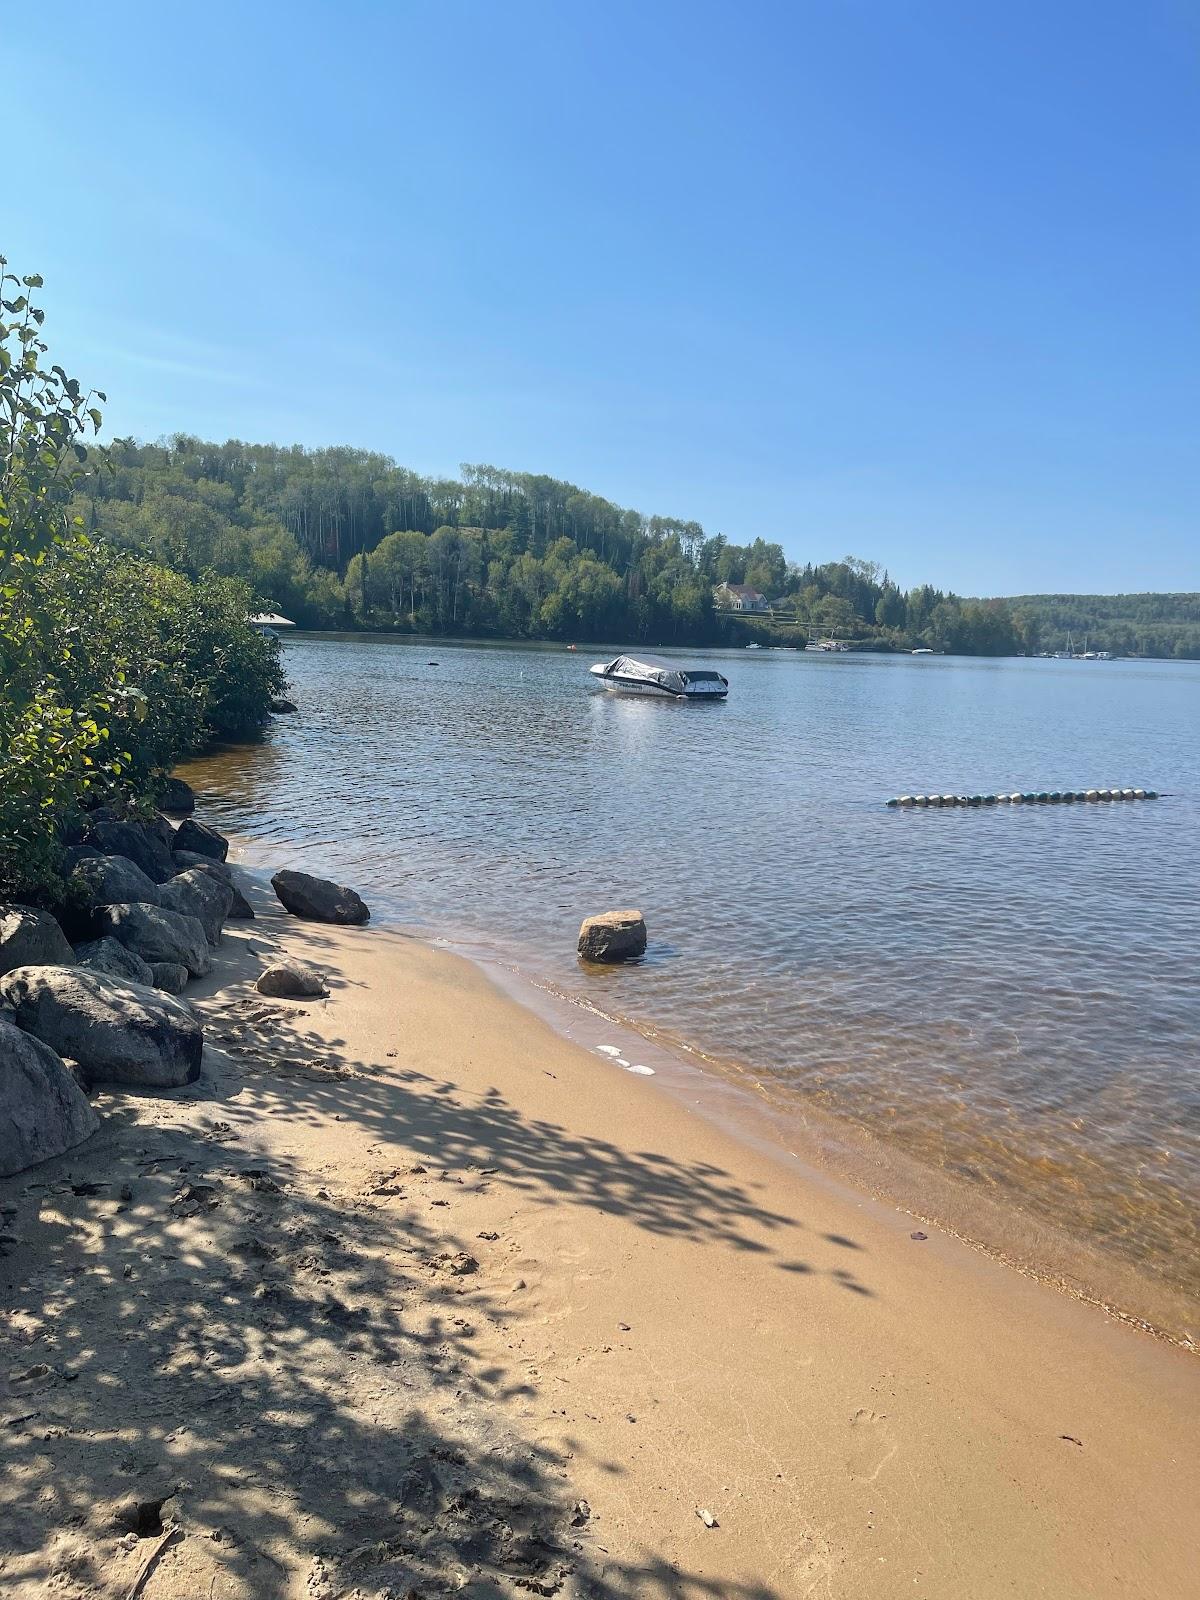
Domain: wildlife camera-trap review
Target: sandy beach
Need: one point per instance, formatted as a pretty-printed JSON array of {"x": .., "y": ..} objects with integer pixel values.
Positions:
[{"x": 409, "y": 1296}]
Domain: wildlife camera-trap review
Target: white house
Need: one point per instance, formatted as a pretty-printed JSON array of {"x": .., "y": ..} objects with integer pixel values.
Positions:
[{"x": 740, "y": 597}]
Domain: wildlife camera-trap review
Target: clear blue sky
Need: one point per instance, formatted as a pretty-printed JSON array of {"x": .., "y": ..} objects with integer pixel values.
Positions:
[{"x": 913, "y": 279}]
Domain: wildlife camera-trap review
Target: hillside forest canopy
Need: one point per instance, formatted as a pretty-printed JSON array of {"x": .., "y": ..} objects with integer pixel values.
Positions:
[{"x": 341, "y": 538}]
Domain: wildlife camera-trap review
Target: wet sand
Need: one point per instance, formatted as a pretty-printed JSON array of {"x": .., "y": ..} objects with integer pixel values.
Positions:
[{"x": 421, "y": 1294}]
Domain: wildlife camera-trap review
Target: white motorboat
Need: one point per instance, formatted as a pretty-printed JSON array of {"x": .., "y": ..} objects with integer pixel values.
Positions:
[{"x": 660, "y": 679}]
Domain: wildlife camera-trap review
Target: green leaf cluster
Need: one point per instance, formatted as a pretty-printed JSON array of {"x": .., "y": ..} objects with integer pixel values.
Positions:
[{"x": 111, "y": 665}]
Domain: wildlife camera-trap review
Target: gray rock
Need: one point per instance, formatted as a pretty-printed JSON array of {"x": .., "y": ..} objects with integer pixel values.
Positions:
[
  {"x": 109, "y": 955},
  {"x": 161, "y": 829},
  {"x": 240, "y": 909},
  {"x": 184, "y": 859},
  {"x": 281, "y": 707},
  {"x": 169, "y": 976},
  {"x": 43, "y": 1111},
  {"x": 139, "y": 844},
  {"x": 177, "y": 797},
  {"x": 75, "y": 853},
  {"x": 113, "y": 881},
  {"x": 613, "y": 936},
  {"x": 318, "y": 899},
  {"x": 117, "y": 1032},
  {"x": 200, "y": 838},
  {"x": 291, "y": 980},
  {"x": 157, "y": 933},
  {"x": 198, "y": 894},
  {"x": 30, "y": 938}
]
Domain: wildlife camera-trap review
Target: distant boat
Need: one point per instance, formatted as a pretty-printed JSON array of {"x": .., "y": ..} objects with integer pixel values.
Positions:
[
  {"x": 923, "y": 651},
  {"x": 659, "y": 679},
  {"x": 269, "y": 624},
  {"x": 826, "y": 646}
]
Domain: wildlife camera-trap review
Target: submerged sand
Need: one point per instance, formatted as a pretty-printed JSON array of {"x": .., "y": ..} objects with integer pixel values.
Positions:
[{"x": 409, "y": 1296}]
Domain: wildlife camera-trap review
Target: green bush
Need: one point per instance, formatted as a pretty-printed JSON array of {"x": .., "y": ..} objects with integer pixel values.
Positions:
[{"x": 111, "y": 666}]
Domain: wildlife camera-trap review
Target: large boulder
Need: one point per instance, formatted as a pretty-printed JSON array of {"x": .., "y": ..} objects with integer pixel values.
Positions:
[
  {"x": 185, "y": 859},
  {"x": 200, "y": 838},
  {"x": 30, "y": 938},
  {"x": 291, "y": 980},
  {"x": 43, "y": 1111},
  {"x": 197, "y": 894},
  {"x": 317, "y": 898},
  {"x": 613, "y": 936},
  {"x": 221, "y": 870},
  {"x": 109, "y": 955},
  {"x": 117, "y": 1032},
  {"x": 282, "y": 707},
  {"x": 113, "y": 881},
  {"x": 157, "y": 933},
  {"x": 139, "y": 844},
  {"x": 176, "y": 797}
]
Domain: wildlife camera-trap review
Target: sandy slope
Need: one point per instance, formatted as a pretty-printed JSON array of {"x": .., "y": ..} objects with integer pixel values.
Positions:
[{"x": 271, "y": 1331}]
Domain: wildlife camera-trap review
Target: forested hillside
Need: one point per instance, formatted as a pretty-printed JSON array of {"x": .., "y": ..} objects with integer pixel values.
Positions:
[
  {"x": 1126, "y": 624},
  {"x": 343, "y": 538}
]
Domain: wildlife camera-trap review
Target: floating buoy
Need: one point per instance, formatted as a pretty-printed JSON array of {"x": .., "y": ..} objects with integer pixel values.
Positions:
[{"x": 1041, "y": 797}]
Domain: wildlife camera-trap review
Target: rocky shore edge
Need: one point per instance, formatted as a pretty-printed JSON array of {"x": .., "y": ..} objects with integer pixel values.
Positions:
[{"x": 96, "y": 994}]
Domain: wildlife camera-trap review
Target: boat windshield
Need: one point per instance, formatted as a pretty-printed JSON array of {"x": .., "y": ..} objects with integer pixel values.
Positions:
[{"x": 703, "y": 677}]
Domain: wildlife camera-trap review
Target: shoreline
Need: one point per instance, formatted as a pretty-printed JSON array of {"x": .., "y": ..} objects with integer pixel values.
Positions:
[
  {"x": 829, "y": 1147},
  {"x": 660, "y": 1322}
]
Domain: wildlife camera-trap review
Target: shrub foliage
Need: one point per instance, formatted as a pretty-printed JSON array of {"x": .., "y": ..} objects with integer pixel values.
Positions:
[{"x": 111, "y": 666}]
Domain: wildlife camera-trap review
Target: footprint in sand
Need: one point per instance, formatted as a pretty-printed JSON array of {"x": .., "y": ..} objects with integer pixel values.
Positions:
[{"x": 872, "y": 1445}]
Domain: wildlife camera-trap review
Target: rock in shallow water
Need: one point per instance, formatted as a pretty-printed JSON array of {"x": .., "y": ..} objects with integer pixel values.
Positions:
[
  {"x": 291, "y": 980},
  {"x": 177, "y": 797},
  {"x": 318, "y": 899},
  {"x": 613, "y": 936},
  {"x": 158, "y": 934},
  {"x": 43, "y": 1111},
  {"x": 117, "y": 1032},
  {"x": 31, "y": 938}
]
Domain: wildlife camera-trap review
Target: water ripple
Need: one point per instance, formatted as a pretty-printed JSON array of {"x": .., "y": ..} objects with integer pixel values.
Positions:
[{"x": 1007, "y": 994}]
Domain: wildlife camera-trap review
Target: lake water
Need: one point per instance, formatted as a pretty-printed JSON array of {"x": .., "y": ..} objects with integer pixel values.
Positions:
[{"x": 1007, "y": 998}]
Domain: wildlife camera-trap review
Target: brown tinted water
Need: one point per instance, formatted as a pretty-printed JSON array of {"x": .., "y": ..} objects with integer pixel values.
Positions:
[{"x": 1007, "y": 998}]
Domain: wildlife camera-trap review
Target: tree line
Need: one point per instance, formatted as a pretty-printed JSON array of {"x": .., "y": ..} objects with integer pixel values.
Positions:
[{"x": 341, "y": 538}]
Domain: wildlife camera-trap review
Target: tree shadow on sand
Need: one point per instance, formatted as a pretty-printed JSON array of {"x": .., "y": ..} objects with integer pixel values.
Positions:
[
  {"x": 264, "y": 1384},
  {"x": 314, "y": 1077}
]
